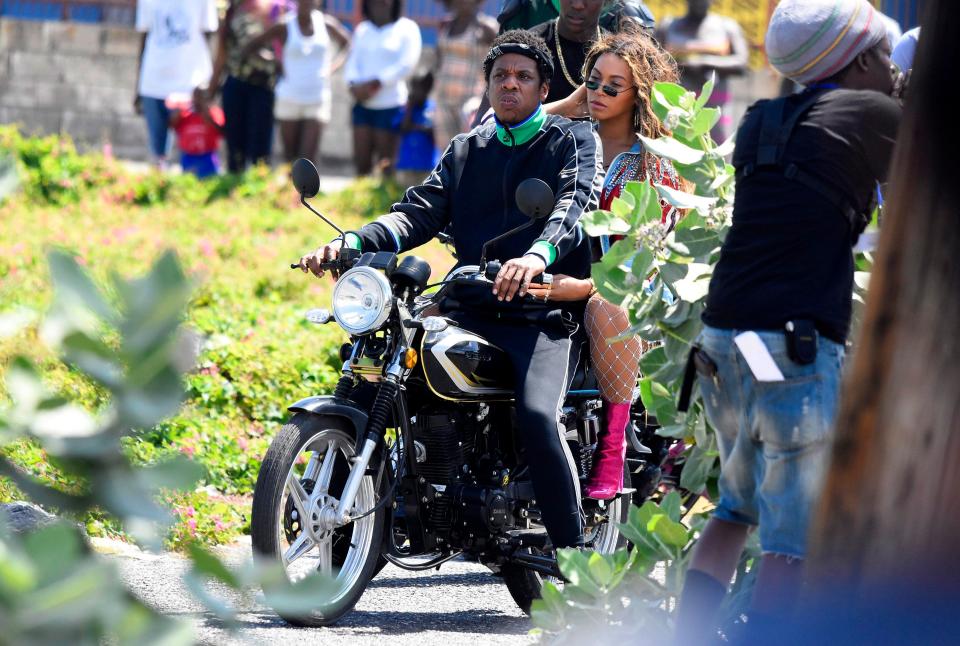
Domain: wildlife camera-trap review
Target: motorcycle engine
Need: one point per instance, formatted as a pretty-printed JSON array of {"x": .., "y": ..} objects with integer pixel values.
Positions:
[{"x": 458, "y": 506}]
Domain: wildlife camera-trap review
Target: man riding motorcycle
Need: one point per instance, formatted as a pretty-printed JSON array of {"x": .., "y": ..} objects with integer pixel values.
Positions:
[{"x": 471, "y": 191}]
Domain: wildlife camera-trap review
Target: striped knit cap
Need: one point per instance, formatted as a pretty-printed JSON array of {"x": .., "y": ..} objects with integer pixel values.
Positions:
[{"x": 810, "y": 40}]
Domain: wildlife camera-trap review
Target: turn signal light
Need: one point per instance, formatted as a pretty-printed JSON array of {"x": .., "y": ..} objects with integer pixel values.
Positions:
[{"x": 410, "y": 359}]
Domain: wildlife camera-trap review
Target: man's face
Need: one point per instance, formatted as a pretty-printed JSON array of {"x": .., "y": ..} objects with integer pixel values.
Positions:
[
  {"x": 698, "y": 8},
  {"x": 878, "y": 74},
  {"x": 580, "y": 15},
  {"x": 515, "y": 88}
]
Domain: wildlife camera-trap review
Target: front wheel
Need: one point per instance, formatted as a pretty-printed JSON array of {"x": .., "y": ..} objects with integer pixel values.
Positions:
[
  {"x": 303, "y": 473},
  {"x": 525, "y": 585}
]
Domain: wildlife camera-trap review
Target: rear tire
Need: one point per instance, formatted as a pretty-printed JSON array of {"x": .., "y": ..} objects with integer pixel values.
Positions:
[
  {"x": 526, "y": 585},
  {"x": 280, "y": 532}
]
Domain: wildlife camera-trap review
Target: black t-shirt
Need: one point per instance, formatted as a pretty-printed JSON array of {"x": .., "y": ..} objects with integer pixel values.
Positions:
[
  {"x": 788, "y": 253},
  {"x": 574, "y": 56}
]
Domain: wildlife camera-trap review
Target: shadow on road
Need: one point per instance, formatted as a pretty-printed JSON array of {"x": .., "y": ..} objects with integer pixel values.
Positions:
[{"x": 386, "y": 622}]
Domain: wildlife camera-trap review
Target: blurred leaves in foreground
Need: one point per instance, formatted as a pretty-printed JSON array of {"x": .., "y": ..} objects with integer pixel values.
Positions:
[{"x": 53, "y": 589}]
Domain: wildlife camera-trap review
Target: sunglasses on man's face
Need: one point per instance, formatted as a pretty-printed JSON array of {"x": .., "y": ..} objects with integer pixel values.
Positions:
[{"x": 609, "y": 90}]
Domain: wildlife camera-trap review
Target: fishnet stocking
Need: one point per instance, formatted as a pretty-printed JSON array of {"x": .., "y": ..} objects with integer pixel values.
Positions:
[{"x": 616, "y": 363}]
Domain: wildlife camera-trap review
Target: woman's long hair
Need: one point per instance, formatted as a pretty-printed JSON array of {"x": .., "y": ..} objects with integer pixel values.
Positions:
[{"x": 649, "y": 64}]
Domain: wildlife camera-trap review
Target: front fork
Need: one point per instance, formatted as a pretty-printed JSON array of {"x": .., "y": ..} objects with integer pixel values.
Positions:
[{"x": 373, "y": 434}]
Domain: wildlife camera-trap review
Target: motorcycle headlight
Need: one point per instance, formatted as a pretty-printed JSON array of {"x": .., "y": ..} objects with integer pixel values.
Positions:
[{"x": 362, "y": 300}]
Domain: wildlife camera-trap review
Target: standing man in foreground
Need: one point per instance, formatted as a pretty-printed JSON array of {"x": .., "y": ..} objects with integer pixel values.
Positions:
[
  {"x": 808, "y": 167},
  {"x": 472, "y": 191}
]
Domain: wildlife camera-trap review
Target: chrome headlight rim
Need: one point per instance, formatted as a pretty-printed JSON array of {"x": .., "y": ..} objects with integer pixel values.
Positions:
[{"x": 385, "y": 292}]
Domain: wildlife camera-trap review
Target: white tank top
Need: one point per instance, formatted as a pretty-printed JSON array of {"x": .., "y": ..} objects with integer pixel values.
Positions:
[{"x": 306, "y": 62}]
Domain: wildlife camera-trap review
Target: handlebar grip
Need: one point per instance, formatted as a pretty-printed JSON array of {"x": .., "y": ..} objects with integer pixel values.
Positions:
[
  {"x": 333, "y": 265},
  {"x": 543, "y": 279}
]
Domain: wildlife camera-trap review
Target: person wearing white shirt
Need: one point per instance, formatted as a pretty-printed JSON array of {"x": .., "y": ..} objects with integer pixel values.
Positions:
[
  {"x": 174, "y": 60},
  {"x": 303, "y": 95},
  {"x": 386, "y": 49}
]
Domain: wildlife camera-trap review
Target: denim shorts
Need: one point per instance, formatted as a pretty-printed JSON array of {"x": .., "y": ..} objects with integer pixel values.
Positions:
[
  {"x": 384, "y": 119},
  {"x": 158, "y": 125},
  {"x": 774, "y": 436}
]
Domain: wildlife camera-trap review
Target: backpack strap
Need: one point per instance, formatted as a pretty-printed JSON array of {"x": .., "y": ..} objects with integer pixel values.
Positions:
[{"x": 775, "y": 133}]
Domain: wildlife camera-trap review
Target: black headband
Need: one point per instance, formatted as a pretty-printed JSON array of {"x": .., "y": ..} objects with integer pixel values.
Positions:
[{"x": 545, "y": 63}]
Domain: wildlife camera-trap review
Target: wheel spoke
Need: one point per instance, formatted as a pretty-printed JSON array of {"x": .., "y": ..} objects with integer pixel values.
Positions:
[
  {"x": 299, "y": 496},
  {"x": 301, "y": 546},
  {"x": 310, "y": 472},
  {"x": 326, "y": 470},
  {"x": 325, "y": 547}
]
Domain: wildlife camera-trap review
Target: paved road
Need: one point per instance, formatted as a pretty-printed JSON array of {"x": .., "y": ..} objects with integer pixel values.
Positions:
[{"x": 460, "y": 604}]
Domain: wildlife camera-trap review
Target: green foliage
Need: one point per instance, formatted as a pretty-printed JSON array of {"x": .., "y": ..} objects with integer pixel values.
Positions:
[
  {"x": 130, "y": 343},
  {"x": 662, "y": 277},
  {"x": 618, "y": 596}
]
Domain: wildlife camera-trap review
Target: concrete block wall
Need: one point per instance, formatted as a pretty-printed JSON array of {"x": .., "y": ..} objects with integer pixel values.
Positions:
[{"x": 80, "y": 79}]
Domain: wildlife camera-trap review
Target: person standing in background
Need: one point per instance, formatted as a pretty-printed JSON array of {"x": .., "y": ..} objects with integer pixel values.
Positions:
[
  {"x": 174, "y": 59},
  {"x": 386, "y": 49},
  {"x": 418, "y": 152},
  {"x": 462, "y": 43},
  {"x": 303, "y": 96},
  {"x": 704, "y": 43},
  {"x": 248, "y": 89},
  {"x": 199, "y": 128},
  {"x": 569, "y": 36}
]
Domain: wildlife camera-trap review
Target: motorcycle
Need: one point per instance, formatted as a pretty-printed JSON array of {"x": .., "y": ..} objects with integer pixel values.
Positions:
[{"x": 415, "y": 460}]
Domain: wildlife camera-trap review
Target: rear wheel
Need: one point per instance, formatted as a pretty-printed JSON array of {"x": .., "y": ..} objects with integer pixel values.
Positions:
[
  {"x": 300, "y": 482},
  {"x": 525, "y": 585}
]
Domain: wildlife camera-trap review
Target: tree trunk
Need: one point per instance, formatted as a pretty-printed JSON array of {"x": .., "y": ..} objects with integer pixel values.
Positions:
[{"x": 891, "y": 505}]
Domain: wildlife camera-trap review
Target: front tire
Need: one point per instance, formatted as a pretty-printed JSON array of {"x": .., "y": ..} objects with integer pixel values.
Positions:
[
  {"x": 526, "y": 585},
  {"x": 311, "y": 455}
]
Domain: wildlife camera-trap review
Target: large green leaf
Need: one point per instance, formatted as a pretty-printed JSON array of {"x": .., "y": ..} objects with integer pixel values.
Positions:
[
  {"x": 698, "y": 466},
  {"x": 75, "y": 289},
  {"x": 670, "y": 532},
  {"x": 604, "y": 223},
  {"x": 706, "y": 91},
  {"x": 705, "y": 120},
  {"x": 673, "y": 150},
  {"x": 694, "y": 285},
  {"x": 697, "y": 243},
  {"x": 683, "y": 200}
]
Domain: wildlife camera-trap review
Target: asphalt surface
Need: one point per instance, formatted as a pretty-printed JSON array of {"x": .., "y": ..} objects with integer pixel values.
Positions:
[{"x": 461, "y": 604}]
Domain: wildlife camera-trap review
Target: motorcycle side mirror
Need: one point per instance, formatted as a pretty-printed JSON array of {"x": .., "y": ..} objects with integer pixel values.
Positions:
[
  {"x": 306, "y": 178},
  {"x": 535, "y": 198}
]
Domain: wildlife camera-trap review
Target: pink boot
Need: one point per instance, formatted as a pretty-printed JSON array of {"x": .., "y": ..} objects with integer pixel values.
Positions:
[{"x": 606, "y": 476}]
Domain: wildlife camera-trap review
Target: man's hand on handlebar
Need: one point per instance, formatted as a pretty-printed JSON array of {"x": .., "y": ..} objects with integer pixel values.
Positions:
[
  {"x": 321, "y": 260},
  {"x": 515, "y": 276}
]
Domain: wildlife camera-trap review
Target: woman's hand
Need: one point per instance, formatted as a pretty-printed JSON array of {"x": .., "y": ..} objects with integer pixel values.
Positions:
[{"x": 564, "y": 288}]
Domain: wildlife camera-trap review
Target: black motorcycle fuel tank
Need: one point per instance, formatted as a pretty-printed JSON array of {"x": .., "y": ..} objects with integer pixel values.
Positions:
[{"x": 462, "y": 366}]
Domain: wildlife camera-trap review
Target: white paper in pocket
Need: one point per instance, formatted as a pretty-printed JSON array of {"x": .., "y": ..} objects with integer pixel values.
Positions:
[{"x": 758, "y": 357}]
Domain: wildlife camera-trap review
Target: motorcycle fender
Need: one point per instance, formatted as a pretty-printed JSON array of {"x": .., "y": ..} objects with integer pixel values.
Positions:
[{"x": 335, "y": 406}]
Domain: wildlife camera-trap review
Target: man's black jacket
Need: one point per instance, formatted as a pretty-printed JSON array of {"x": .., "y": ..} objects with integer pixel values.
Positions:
[{"x": 472, "y": 191}]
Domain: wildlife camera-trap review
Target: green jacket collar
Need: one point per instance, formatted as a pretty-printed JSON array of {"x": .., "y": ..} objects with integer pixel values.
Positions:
[{"x": 523, "y": 131}]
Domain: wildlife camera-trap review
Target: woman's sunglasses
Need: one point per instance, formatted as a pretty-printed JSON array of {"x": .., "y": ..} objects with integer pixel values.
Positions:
[{"x": 609, "y": 90}]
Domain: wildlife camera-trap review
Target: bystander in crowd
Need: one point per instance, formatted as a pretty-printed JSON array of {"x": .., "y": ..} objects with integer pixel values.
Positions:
[
  {"x": 462, "y": 42},
  {"x": 386, "y": 49},
  {"x": 706, "y": 44},
  {"x": 303, "y": 98},
  {"x": 174, "y": 59},
  {"x": 248, "y": 89},
  {"x": 199, "y": 128},
  {"x": 418, "y": 152},
  {"x": 778, "y": 311}
]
